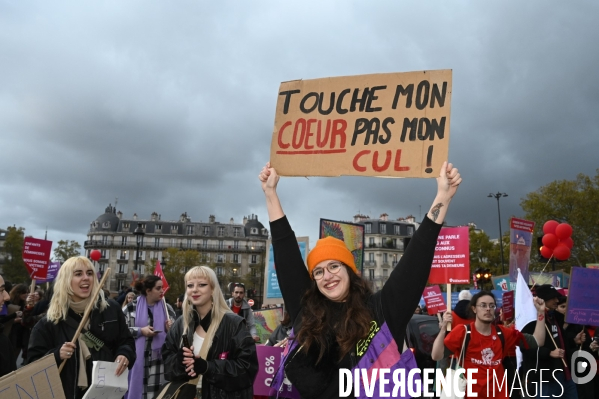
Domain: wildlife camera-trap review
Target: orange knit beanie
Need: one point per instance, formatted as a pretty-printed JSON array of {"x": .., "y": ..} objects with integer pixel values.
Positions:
[{"x": 330, "y": 248}]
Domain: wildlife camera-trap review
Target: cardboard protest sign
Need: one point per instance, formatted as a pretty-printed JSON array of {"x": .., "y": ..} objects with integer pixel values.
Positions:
[
  {"x": 272, "y": 291},
  {"x": 583, "y": 302},
  {"x": 350, "y": 233},
  {"x": 520, "y": 243},
  {"x": 389, "y": 124},
  {"x": 36, "y": 255},
  {"x": 39, "y": 379},
  {"x": 434, "y": 300},
  {"x": 105, "y": 384},
  {"x": 508, "y": 305},
  {"x": 451, "y": 263},
  {"x": 266, "y": 321}
]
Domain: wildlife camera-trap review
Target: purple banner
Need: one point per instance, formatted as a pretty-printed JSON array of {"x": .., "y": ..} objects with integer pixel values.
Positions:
[
  {"x": 269, "y": 358},
  {"x": 583, "y": 302},
  {"x": 52, "y": 272}
]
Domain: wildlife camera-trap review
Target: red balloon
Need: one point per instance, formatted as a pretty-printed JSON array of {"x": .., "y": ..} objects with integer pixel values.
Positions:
[
  {"x": 546, "y": 252},
  {"x": 95, "y": 255},
  {"x": 561, "y": 252},
  {"x": 563, "y": 231},
  {"x": 569, "y": 242},
  {"x": 549, "y": 226},
  {"x": 550, "y": 240}
]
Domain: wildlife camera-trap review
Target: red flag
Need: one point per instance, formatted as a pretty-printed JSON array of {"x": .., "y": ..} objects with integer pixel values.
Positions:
[{"x": 158, "y": 272}]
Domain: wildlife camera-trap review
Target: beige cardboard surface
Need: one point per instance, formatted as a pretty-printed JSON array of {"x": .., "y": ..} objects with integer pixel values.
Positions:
[
  {"x": 38, "y": 380},
  {"x": 386, "y": 125}
]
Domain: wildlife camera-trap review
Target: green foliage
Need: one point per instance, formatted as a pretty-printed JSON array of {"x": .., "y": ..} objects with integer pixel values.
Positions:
[
  {"x": 571, "y": 201},
  {"x": 14, "y": 269},
  {"x": 66, "y": 249},
  {"x": 174, "y": 268}
]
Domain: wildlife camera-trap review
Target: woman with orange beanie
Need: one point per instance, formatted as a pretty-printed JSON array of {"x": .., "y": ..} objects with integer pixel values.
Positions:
[{"x": 338, "y": 323}]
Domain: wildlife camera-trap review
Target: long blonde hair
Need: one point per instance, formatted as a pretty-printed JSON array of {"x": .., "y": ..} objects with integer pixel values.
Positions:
[
  {"x": 59, "y": 305},
  {"x": 219, "y": 306}
]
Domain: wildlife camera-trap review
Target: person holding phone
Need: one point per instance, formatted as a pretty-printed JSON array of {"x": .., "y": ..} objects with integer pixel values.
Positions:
[
  {"x": 210, "y": 342},
  {"x": 148, "y": 323}
]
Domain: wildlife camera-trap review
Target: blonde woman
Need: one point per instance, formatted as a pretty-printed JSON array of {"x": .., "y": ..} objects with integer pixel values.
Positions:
[
  {"x": 219, "y": 349},
  {"x": 106, "y": 336},
  {"x": 128, "y": 299}
]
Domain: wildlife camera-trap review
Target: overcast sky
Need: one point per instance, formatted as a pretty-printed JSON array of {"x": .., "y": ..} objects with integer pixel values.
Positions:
[{"x": 169, "y": 106}]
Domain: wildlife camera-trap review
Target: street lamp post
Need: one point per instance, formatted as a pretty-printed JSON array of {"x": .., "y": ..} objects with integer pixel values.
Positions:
[
  {"x": 139, "y": 237},
  {"x": 497, "y": 196}
]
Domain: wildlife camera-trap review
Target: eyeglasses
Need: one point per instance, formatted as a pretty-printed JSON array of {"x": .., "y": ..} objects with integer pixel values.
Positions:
[
  {"x": 332, "y": 267},
  {"x": 485, "y": 306}
]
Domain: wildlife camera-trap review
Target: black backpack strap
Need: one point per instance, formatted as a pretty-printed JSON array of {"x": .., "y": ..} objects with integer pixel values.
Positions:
[{"x": 501, "y": 338}]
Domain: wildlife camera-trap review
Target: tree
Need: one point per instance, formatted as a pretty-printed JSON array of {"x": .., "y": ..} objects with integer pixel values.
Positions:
[
  {"x": 573, "y": 202},
  {"x": 15, "y": 270},
  {"x": 66, "y": 249},
  {"x": 174, "y": 267}
]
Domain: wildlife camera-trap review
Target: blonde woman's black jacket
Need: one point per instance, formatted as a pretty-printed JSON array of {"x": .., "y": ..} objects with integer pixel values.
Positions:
[
  {"x": 232, "y": 360},
  {"x": 109, "y": 326}
]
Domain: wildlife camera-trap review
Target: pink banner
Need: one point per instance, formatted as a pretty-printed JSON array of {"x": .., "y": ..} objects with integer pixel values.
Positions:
[
  {"x": 36, "y": 255},
  {"x": 269, "y": 358},
  {"x": 434, "y": 300},
  {"x": 451, "y": 264}
]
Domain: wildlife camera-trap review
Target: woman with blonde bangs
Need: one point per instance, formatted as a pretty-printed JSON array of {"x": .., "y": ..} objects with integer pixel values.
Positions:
[
  {"x": 106, "y": 336},
  {"x": 210, "y": 343}
]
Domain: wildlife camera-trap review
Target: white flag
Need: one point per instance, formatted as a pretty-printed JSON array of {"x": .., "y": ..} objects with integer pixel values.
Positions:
[{"x": 524, "y": 308}]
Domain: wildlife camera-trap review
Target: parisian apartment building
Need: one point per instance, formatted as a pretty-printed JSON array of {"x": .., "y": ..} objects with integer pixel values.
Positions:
[
  {"x": 384, "y": 244},
  {"x": 238, "y": 244}
]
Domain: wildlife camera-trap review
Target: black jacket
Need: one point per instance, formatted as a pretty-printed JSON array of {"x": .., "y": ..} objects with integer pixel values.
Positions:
[
  {"x": 232, "y": 377},
  {"x": 8, "y": 362},
  {"x": 109, "y": 326}
]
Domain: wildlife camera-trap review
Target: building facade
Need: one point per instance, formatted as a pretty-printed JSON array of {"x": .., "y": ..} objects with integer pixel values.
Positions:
[
  {"x": 219, "y": 244},
  {"x": 384, "y": 244}
]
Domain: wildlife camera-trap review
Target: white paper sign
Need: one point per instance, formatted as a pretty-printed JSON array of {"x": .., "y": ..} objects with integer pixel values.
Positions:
[{"x": 105, "y": 384}]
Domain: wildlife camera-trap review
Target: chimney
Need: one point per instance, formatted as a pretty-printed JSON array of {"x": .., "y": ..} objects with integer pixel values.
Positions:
[
  {"x": 135, "y": 216},
  {"x": 232, "y": 221},
  {"x": 119, "y": 214},
  {"x": 211, "y": 219},
  {"x": 410, "y": 219},
  {"x": 384, "y": 217},
  {"x": 154, "y": 216},
  {"x": 245, "y": 220}
]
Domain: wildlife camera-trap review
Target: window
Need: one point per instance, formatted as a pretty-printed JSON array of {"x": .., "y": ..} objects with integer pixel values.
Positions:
[
  {"x": 124, "y": 240},
  {"x": 142, "y": 269},
  {"x": 221, "y": 231},
  {"x": 173, "y": 242},
  {"x": 383, "y": 228},
  {"x": 101, "y": 267},
  {"x": 368, "y": 228},
  {"x": 121, "y": 284},
  {"x": 104, "y": 240},
  {"x": 235, "y": 272},
  {"x": 385, "y": 258},
  {"x": 122, "y": 255},
  {"x": 142, "y": 226},
  {"x": 396, "y": 229},
  {"x": 204, "y": 244},
  {"x": 253, "y": 230},
  {"x": 158, "y": 227},
  {"x": 236, "y": 232},
  {"x": 142, "y": 255},
  {"x": 122, "y": 268},
  {"x": 221, "y": 244},
  {"x": 219, "y": 271},
  {"x": 189, "y": 243},
  {"x": 264, "y": 232},
  {"x": 371, "y": 257},
  {"x": 235, "y": 244},
  {"x": 371, "y": 274},
  {"x": 410, "y": 230},
  {"x": 126, "y": 226},
  {"x": 206, "y": 230},
  {"x": 253, "y": 271},
  {"x": 103, "y": 253},
  {"x": 157, "y": 241},
  {"x": 220, "y": 258},
  {"x": 385, "y": 273},
  {"x": 371, "y": 242},
  {"x": 254, "y": 259},
  {"x": 235, "y": 258},
  {"x": 106, "y": 225},
  {"x": 174, "y": 229},
  {"x": 189, "y": 229}
]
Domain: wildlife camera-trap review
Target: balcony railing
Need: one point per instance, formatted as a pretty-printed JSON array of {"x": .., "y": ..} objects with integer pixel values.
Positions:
[
  {"x": 198, "y": 247},
  {"x": 398, "y": 246},
  {"x": 370, "y": 263}
]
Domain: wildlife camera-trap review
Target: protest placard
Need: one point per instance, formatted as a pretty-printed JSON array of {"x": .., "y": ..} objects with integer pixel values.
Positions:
[
  {"x": 508, "y": 304},
  {"x": 434, "y": 300},
  {"x": 105, "y": 384},
  {"x": 39, "y": 379},
  {"x": 583, "y": 302},
  {"x": 269, "y": 359},
  {"x": 266, "y": 321},
  {"x": 52, "y": 272},
  {"x": 389, "y": 124},
  {"x": 350, "y": 233},
  {"x": 451, "y": 263},
  {"x": 520, "y": 244},
  {"x": 503, "y": 283},
  {"x": 272, "y": 291},
  {"x": 36, "y": 255}
]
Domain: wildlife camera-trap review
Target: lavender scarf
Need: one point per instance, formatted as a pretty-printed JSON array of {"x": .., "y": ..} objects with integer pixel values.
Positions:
[{"x": 136, "y": 375}]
